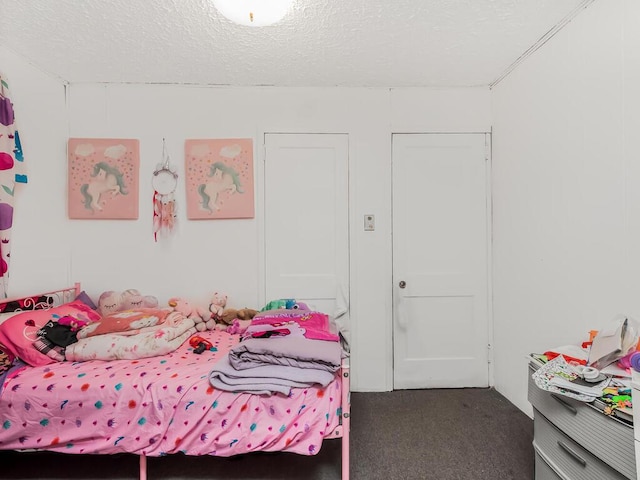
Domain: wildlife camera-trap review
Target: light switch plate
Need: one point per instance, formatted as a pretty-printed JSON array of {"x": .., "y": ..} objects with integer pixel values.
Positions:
[{"x": 369, "y": 223}]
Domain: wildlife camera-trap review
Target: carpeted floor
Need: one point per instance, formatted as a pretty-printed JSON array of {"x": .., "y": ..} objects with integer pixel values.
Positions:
[{"x": 457, "y": 434}]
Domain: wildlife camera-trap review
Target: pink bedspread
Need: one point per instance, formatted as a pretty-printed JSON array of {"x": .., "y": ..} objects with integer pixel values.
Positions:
[{"x": 158, "y": 406}]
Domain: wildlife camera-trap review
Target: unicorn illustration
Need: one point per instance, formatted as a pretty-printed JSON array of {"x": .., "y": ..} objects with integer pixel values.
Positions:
[
  {"x": 223, "y": 178},
  {"x": 106, "y": 179}
]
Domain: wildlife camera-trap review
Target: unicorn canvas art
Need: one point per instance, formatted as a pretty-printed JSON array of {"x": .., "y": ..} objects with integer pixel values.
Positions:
[
  {"x": 103, "y": 178},
  {"x": 223, "y": 179},
  {"x": 106, "y": 179},
  {"x": 219, "y": 176}
]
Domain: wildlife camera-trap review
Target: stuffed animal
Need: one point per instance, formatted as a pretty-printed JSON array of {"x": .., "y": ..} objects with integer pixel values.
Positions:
[
  {"x": 231, "y": 314},
  {"x": 201, "y": 318},
  {"x": 132, "y": 299},
  {"x": 287, "y": 303},
  {"x": 112, "y": 301},
  {"x": 238, "y": 326},
  {"x": 74, "y": 323},
  {"x": 109, "y": 302},
  {"x": 217, "y": 304}
]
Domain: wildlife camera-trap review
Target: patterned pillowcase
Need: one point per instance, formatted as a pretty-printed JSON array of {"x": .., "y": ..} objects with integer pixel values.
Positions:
[{"x": 18, "y": 333}]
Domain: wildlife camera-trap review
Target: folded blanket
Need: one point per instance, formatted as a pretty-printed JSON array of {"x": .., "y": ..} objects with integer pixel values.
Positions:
[
  {"x": 127, "y": 322},
  {"x": 153, "y": 341},
  {"x": 292, "y": 351},
  {"x": 267, "y": 379}
]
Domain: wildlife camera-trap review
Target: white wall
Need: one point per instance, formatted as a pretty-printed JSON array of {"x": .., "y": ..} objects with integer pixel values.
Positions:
[
  {"x": 566, "y": 202},
  {"x": 204, "y": 256},
  {"x": 40, "y": 252}
]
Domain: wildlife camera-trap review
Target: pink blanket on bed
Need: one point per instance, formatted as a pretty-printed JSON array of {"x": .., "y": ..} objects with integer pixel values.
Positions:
[{"x": 158, "y": 406}]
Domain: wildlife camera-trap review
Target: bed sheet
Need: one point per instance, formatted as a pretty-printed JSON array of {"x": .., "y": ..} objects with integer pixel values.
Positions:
[{"x": 157, "y": 406}]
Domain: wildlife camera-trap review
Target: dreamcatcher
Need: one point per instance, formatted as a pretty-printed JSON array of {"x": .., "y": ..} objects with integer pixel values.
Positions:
[{"x": 164, "y": 181}]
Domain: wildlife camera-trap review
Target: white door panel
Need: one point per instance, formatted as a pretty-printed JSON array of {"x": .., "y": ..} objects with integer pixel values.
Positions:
[
  {"x": 440, "y": 253},
  {"x": 306, "y": 218}
]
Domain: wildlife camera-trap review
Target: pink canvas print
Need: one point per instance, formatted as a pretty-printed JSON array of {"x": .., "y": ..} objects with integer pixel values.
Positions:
[
  {"x": 219, "y": 176},
  {"x": 103, "y": 178}
]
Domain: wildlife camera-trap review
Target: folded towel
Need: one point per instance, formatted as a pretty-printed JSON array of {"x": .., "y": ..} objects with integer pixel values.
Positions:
[{"x": 266, "y": 379}]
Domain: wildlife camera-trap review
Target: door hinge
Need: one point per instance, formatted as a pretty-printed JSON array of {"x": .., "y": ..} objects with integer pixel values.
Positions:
[{"x": 487, "y": 146}]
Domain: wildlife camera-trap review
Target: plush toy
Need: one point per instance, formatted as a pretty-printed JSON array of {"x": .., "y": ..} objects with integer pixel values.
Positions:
[
  {"x": 109, "y": 302},
  {"x": 132, "y": 299},
  {"x": 112, "y": 301},
  {"x": 231, "y": 314},
  {"x": 217, "y": 304},
  {"x": 287, "y": 303},
  {"x": 238, "y": 326},
  {"x": 201, "y": 318},
  {"x": 74, "y": 323}
]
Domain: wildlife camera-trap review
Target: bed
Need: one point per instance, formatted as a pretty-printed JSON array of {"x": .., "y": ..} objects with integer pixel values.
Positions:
[{"x": 159, "y": 405}]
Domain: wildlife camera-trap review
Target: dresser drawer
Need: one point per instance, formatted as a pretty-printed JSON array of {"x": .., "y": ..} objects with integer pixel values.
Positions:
[
  {"x": 635, "y": 393},
  {"x": 543, "y": 471},
  {"x": 605, "y": 437},
  {"x": 569, "y": 459}
]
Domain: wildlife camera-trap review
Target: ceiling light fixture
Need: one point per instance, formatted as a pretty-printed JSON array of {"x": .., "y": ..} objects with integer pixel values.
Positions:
[{"x": 254, "y": 13}]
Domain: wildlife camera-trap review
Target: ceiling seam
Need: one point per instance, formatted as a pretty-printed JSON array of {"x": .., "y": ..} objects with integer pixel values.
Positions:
[
  {"x": 542, "y": 40},
  {"x": 38, "y": 67}
]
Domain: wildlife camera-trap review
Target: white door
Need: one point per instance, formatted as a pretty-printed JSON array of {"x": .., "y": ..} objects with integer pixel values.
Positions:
[
  {"x": 306, "y": 201},
  {"x": 440, "y": 260}
]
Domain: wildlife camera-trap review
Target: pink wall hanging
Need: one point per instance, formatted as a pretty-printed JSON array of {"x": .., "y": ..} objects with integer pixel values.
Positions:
[
  {"x": 219, "y": 177},
  {"x": 103, "y": 178}
]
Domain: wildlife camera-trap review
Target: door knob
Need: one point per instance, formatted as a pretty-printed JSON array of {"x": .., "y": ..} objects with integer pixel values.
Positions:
[{"x": 402, "y": 284}]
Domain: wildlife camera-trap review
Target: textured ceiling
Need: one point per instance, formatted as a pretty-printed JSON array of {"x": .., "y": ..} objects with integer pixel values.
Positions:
[{"x": 371, "y": 43}]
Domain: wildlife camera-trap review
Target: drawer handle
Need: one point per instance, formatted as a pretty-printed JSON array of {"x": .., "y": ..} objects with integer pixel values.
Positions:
[
  {"x": 573, "y": 454},
  {"x": 569, "y": 407}
]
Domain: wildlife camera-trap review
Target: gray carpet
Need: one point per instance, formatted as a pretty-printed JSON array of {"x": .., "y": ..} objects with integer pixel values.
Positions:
[{"x": 458, "y": 434}]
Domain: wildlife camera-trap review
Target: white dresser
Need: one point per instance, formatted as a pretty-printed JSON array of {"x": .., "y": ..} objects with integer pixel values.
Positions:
[{"x": 576, "y": 441}]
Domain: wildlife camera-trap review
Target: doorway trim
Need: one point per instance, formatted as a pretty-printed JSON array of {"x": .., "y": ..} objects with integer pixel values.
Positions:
[
  {"x": 488, "y": 136},
  {"x": 260, "y": 154}
]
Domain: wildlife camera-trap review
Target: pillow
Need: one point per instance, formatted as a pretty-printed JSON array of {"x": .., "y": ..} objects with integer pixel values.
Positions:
[
  {"x": 86, "y": 299},
  {"x": 18, "y": 333},
  {"x": 6, "y": 316}
]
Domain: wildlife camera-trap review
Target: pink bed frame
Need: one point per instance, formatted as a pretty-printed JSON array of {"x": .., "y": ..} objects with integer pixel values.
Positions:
[{"x": 341, "y": 431}]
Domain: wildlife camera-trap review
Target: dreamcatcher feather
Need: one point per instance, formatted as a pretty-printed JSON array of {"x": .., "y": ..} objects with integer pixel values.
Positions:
[{"x": 165, "y": 180}]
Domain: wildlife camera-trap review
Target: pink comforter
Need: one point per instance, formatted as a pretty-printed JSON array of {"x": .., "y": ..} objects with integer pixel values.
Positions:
[{"x": 158, "y": 406}]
